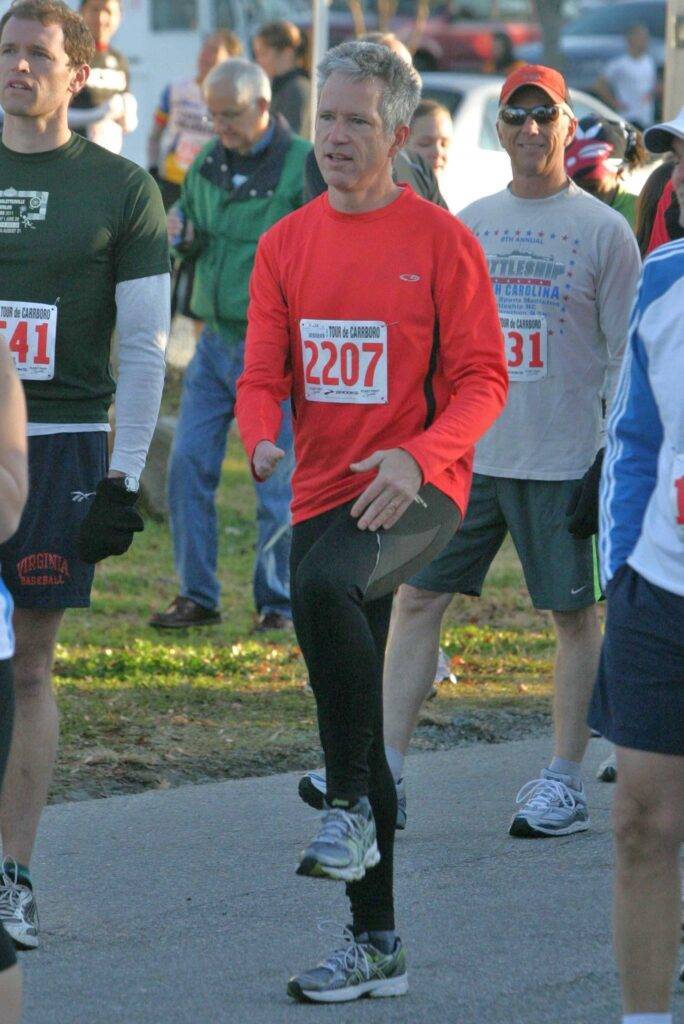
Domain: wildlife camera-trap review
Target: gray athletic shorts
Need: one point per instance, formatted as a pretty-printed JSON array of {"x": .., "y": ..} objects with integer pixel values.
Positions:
[{"x": 561, "y": 572}]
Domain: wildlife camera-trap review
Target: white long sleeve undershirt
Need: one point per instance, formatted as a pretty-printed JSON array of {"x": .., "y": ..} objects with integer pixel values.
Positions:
[{"x": 143, "y": 320}]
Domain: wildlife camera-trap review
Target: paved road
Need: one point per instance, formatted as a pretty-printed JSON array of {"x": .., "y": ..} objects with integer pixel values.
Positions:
[{"x": 182, "y": 907}]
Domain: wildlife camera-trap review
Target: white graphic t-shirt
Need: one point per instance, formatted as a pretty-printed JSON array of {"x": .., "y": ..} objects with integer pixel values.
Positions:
[
  {"x": 564, "y": 271},
  {"x": 633, "y": 80}
]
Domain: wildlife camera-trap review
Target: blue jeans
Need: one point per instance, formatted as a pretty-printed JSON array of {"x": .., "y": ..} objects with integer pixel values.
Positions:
[{"x": 199, "y": 444}]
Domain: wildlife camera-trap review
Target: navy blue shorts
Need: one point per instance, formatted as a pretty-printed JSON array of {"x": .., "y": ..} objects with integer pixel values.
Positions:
[
  {"x": 39, "y": 563},
  {"x": 638, "y": 699}
]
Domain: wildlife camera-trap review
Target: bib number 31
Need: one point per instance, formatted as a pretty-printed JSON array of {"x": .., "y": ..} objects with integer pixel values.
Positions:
[
  {"x": 30, "y": 332},
  {"x": 345, "y": 361},
  {"x": 526, "y": 347}
]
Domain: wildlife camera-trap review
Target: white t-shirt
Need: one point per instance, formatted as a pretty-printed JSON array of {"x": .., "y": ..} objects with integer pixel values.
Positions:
[
  {"x": 633, "y": 80},
  {"x": 564, "y": 271}
]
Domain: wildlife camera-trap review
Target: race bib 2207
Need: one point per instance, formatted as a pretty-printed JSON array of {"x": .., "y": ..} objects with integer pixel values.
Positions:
[
  {"x": 345, "y": 361},
  {"x": 29, "y": 329},
  {"x": 525, "y": 340}
]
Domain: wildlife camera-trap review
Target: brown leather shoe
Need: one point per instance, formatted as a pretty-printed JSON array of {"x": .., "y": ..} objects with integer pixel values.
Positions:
[
  {"x": 272, "y": 620},
  {"x": 184, "y": 612}
]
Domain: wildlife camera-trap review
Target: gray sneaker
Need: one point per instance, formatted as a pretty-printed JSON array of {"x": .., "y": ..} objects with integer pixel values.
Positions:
[
  {"x": 357, "y": 969},
  {"x": 345, "y": 845},
  {"x": 312, "y": 790},
  {"x": 550, "y": 806},
  {"x": 18, "y": 911}
]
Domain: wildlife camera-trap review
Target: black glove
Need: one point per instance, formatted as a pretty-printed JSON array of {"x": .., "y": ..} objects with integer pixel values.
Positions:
[
  {"x": 582, "y": 510},
  {"x": 111, "y": 521}
]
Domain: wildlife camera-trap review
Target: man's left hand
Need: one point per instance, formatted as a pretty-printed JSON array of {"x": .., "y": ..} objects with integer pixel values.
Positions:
[
  {"x": 582, "y": 511},
  {"x": 111, "y": 521},
  {"x": 385, "y": 500}
]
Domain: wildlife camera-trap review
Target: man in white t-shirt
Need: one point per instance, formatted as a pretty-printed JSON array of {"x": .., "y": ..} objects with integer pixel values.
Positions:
[
  {"x": 629, "y": 82},
  {"x": 564, "y": 267}
]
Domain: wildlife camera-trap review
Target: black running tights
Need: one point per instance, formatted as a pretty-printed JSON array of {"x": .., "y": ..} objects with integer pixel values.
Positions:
[{"x": 343, "y": 580}]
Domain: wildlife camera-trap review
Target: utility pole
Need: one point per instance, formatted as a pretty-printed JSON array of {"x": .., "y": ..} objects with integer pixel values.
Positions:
[
  {"x": 673, "y": 99},
  {"x": 319, "y": 46}
]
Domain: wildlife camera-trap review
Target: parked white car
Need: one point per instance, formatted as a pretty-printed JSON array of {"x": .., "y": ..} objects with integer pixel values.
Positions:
[{"x": 478, "y": 166}]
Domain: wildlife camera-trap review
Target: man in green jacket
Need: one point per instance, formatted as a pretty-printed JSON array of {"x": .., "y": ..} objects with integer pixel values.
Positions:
[{"x": 240, "y": 184}]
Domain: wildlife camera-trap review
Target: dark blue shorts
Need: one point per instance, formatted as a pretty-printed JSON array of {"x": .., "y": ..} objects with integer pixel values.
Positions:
[
  {"x": 638, "y": 699},
  {"x": 39, "y": 564}
]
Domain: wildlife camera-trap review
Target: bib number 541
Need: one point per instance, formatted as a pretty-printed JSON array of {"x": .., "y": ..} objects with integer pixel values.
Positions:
[{"x": 29, "y": 332}]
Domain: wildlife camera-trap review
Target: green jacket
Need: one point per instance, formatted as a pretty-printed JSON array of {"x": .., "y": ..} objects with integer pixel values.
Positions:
[{"x": 229, "y": 222}]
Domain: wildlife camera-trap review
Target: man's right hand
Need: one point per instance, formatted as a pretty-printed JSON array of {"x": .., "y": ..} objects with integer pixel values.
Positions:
[{"x": 265, "y": 459}]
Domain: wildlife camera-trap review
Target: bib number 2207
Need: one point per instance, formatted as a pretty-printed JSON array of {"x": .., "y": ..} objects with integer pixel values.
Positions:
[
  {"x": 345, "y": 361},
  {"x": 30, "y": 330}
]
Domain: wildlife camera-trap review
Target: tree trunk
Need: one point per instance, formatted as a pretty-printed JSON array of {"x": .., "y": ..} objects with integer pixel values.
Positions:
[
  {"x": 421, "y": 16},
  {"x": 550, "y": 15}
]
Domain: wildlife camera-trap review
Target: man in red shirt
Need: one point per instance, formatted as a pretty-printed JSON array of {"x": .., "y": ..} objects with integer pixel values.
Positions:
[{"x": 372, "y": 310}]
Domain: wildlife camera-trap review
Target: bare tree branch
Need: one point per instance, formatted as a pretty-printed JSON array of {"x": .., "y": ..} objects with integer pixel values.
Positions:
[
  {"x": 356, "y": 11},
  {"x": 421, "y": 16}
]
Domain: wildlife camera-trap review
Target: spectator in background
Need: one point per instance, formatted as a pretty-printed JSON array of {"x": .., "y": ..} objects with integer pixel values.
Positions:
[
  {"x": 652, "y": 203},
  {"x": 598, "y": 157},
  {"x": 13, "y": 488},
  {"x": 181, "y": 126},
  {"x": 104, "y": 111},
  {"x": 432, "y": 133},
  {"x": 629, "y": 83},
  {"x": 280, "y": 48},
  {"x": 666, "y": 220},
  {"x": 240, "y": 184}
]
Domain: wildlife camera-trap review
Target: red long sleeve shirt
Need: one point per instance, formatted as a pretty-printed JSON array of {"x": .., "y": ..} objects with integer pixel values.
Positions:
[{"x": 383, "y": 329}]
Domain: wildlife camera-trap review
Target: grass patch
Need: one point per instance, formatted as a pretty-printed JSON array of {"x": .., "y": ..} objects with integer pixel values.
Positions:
[{"x": 140, "y": 709}]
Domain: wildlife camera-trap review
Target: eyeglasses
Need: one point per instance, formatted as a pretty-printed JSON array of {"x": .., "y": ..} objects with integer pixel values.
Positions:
[
  {"x": 542, "y": 114},
  {"x": 225, "y": 115}
]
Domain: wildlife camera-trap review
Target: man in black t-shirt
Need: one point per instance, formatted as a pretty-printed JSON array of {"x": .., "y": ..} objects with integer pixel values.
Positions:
[{"x": 105, "y": 110}]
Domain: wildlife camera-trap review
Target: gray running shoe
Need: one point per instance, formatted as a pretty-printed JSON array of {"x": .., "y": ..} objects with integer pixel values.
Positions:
[
  {"x": 607, "y": 771},
  {"x": 550, "y": 806},
  {"x": 345, "y": 845},
  {"x": 357, "y": 969},
  {"x": 18, "y": 911},
  {"x": 312, "y": 790}
]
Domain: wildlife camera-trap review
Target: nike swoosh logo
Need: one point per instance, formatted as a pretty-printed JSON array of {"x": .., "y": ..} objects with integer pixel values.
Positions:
[{"x": 578, "y": 590}]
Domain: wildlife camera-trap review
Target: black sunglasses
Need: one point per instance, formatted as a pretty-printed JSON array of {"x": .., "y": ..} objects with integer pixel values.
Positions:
[{"x": 542, "y": 114}]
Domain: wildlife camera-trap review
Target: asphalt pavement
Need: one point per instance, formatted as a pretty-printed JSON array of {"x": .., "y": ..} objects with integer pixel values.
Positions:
[{"x": 182, "y": 906}]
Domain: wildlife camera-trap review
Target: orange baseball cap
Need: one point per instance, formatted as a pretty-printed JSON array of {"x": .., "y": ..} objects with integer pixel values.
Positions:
[{"x": 547, "y": 79}]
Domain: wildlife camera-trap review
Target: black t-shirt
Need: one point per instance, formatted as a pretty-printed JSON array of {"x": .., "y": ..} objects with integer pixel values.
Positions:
[{"x": 108, "y": 75}]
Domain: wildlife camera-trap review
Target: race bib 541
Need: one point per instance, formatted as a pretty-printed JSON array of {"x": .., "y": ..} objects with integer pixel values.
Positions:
[
  {"x": 345, "y": 361},
  {"x": 526, "y": 347},
  {"x": 29, "y": 329}
]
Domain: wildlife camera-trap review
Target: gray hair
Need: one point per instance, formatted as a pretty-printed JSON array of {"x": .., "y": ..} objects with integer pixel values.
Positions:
[
  {"x": 363, "y": 62},
  {"x": 248, "y": 80}
]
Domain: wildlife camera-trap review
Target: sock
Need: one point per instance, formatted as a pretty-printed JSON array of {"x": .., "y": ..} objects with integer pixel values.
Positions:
[
  {"x": 23, "y": 875},
  {"x": 647, "y": 1018},
  {"x": 559, "y": 766},
  {"x": 395, "y": 760},
  {"x": 384, "y": 941}
]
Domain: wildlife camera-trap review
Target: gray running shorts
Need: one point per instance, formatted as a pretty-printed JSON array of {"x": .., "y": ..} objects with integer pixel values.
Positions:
[{"x": 561, "y": 572}]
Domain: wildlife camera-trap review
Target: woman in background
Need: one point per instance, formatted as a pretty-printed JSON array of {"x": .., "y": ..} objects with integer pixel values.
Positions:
[
  {"x": 432, "y": 133},
  {"x": 282, "y": 51}
]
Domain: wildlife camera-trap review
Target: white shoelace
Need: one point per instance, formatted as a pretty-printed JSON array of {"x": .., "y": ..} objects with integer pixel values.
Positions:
[
  {"x": 540, "y": 794},
  {"x": 338, "y": 824},
  {"x": 12, "y": 895},
  {"x": 351, "y": 957}
]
